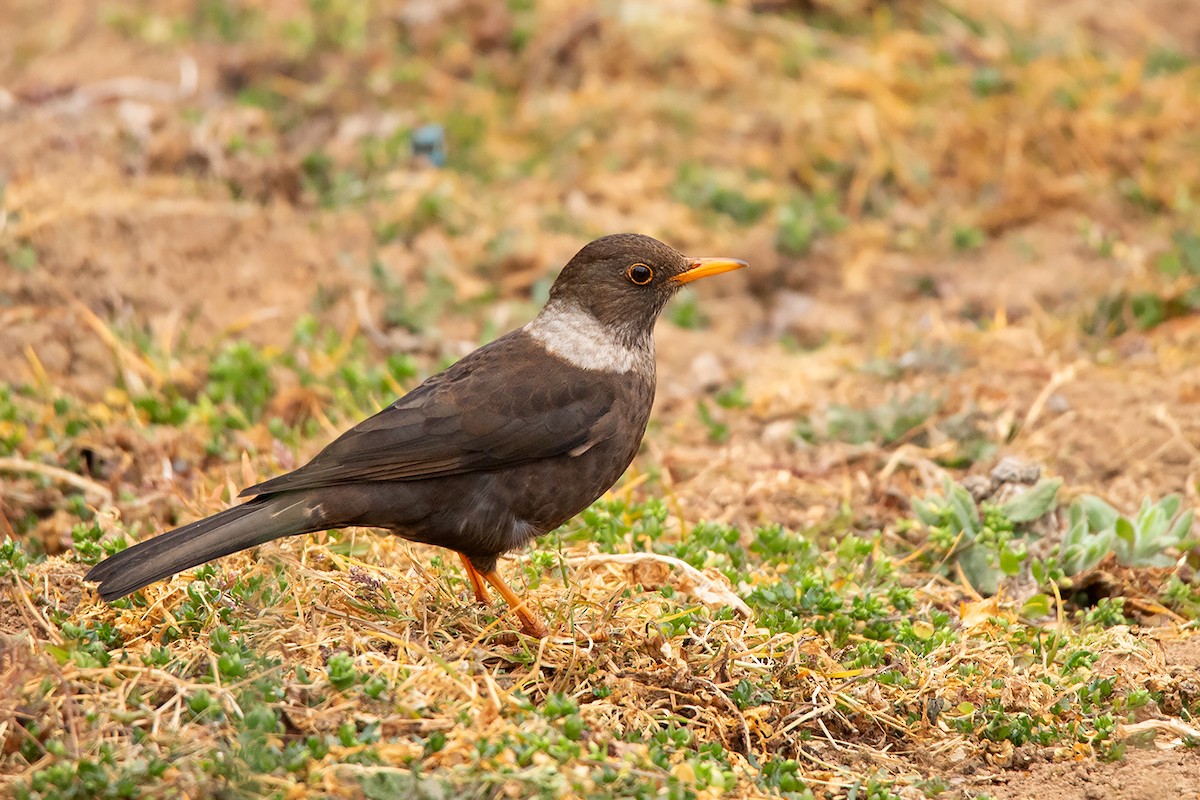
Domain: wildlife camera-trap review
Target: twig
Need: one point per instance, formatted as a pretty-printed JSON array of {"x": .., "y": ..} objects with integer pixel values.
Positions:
[
  {"x": 132, "y": 365},
  {"x": 1180, "y": 728},
  {"x": 29, "y": 612},
  {"x": 1056, "y": 382},
  {"x": 692, "y": 581},
  {"x": 387, "y": 635},
  {"x": 732, "y": 708},
  {"x": 5, "y": 526},
  {"x": 1163, "y": 417},
  {"x": 131, "y": 87},
  {"x": 59, "y": 474}
]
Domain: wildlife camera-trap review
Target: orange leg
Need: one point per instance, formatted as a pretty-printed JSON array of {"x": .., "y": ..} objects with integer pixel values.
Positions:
[
  {"x": 529, "y": 623},
  {"x": 481, "y": 595}
]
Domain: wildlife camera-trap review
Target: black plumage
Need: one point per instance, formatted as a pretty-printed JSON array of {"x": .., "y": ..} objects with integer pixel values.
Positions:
[{"x": 501, "y": 447}]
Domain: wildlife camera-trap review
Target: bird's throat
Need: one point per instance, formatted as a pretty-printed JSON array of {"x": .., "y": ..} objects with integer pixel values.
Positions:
[{"x": 576, "y": 336}]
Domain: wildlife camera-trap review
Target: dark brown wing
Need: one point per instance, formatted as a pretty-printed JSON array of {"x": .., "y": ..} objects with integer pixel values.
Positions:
[{"x": 503, "y": 405}]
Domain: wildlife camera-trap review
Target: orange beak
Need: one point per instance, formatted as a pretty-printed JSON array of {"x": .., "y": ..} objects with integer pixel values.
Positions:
[{"x": 704, "y": 267}]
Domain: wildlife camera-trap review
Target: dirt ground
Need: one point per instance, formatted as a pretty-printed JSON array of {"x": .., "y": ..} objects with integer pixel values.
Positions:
[
  {"x": 143, "y": 202},
  {"x": 1143, "y": 773}
]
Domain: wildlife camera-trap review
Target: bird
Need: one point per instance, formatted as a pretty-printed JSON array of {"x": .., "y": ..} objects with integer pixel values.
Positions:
[{"x": 501, "y": 447}]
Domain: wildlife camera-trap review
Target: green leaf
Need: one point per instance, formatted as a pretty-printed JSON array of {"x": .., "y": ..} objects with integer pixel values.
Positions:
[
  {"x": 1076, "y": 517},
  {"x": 1170, "y": 504},
  {"x": 979, "y": 570},
  {"x": 1182, "y": 528},
  {"x": 1102, "y": 543},
  {"x": 1072, "y": 559},
  {"x": 1100, "y": 515},
  {"x": 1156, "y": 560},
  {"x": 1088, "y": 551},
  {"x": 60, "y": 654},
  {"x": 1010, "y": 560},
  {"x": 1091, "y": 556},
  {"x": 1076, "y": 533},
  {"x": 1151, "y": 528},
  {"x": 1126, "y": 540},
  {"x": 384, "y": 785},
  {"x": 1034, "y": 503},
  {"x": 966, "y": 514},
  {"x": 1036, "y": 607},
  {"x": 928, "y": 511}
]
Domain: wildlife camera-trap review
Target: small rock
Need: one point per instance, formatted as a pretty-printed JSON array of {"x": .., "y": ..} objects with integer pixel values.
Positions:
[
  {"x": 707, "y": 372},
  {"x": 1015, "y": 470},
  {"x": 979, "y": 487},
  {"x": 781, "y": 431}
]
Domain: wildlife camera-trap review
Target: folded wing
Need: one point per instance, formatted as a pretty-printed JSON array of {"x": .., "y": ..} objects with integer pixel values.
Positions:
[{"x": 466, "y": 419}]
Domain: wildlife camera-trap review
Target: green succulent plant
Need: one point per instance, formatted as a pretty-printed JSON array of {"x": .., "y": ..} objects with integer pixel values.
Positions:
[
  {"x": 987, "y": 541},
  {"x": 1143, "y": 541}
]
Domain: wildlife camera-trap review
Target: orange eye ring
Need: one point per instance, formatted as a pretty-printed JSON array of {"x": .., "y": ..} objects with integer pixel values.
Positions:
[{"x": 639, "y": 274}]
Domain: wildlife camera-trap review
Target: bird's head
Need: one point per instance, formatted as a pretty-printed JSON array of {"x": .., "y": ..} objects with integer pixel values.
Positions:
[{"x": 623, "y": 281}]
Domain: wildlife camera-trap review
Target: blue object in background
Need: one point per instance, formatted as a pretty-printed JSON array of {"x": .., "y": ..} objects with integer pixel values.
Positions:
[{"x": 430, "y": 141}]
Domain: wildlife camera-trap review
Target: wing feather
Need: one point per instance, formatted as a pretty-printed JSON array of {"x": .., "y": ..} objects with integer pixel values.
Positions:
[{"x": 496, "y": 408}]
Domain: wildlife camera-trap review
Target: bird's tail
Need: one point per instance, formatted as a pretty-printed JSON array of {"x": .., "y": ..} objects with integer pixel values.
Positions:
[{"x": 237, "y": 528}]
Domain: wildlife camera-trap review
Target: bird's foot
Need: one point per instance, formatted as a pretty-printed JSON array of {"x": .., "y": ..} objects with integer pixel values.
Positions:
[
  {"x": 477, "y": 583},
  {"x": 531, "y": 625}
]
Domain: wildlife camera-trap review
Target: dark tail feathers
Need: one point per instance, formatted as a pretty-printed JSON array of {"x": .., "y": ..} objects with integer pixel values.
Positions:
[{"x": 237, "y": 528}]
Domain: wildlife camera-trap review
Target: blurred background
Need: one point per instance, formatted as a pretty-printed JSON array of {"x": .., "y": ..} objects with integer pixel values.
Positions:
[{"x": 903, "y": 176}]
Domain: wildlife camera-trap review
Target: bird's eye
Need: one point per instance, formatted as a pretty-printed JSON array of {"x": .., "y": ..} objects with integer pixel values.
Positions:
[{"x": 639, "y": 274}]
